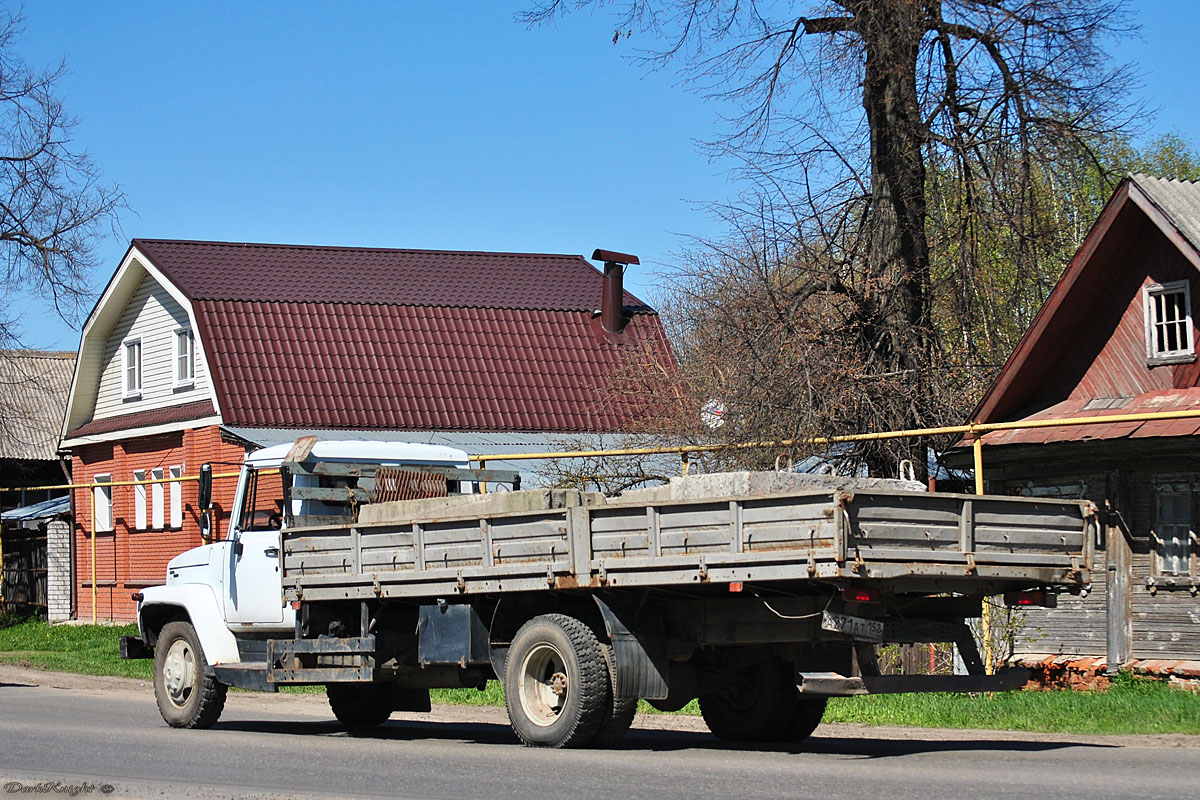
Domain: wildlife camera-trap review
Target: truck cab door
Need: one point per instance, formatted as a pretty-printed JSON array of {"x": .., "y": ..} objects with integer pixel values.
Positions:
[
  {"x": 254, "y": 592},
  {"x": 254, "y": 588}
]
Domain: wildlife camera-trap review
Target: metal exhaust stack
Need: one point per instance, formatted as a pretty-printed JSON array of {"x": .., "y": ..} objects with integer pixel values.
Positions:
[{"x": 612, "y": 313}]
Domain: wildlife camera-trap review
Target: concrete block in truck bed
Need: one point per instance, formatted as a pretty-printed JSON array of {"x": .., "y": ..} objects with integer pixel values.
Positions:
[
  {"x": 755, "y": 484},
  {"x": 478, "y": 505}
]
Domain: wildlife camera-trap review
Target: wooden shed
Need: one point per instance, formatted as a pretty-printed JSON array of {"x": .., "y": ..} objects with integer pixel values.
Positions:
[{"x": 1116, "y": 337}]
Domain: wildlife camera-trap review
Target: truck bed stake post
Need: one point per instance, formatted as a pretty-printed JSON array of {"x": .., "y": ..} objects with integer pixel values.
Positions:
[{"x": 364, "y": 619}]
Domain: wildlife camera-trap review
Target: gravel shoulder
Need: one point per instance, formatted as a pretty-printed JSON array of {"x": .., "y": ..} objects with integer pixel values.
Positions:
[{"x": 314, "y": 705}]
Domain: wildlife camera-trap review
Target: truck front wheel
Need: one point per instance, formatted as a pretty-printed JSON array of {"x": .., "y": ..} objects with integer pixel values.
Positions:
[
  {"x": 360, "y": 706},
  {"x": 556, "y": 683},
  {"x": 187, "y": 696}
]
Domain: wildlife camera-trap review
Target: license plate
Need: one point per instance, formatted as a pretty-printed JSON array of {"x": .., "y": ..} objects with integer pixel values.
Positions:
[{"x": 870, "y": 630}]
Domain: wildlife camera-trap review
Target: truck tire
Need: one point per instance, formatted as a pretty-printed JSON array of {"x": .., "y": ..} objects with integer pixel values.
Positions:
[
  {"x": 807, "y": 717},
  {"x": 556, "y": 683},
  {"x": 187, "y": 696},
  {"x": 758, "y": 706},
  {"x": 619, "y": 714},
  {"x": 360, "y": 706}
]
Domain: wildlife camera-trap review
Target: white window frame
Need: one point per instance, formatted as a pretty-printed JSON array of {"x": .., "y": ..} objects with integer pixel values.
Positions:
[
  {"x": 184, "y": 338},
  {"x": 1155, "y": 356},
  {"x": 128, "y": 348},
  {"x": 176, "y": 496},
  {"x": 102, "y": 504},
  {"x": 156, "y": 499},
  {"x": 139, "y": 500}
]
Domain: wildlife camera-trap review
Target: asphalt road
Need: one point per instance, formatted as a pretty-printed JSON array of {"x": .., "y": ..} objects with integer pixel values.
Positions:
[{"x": 92, "y": 733}]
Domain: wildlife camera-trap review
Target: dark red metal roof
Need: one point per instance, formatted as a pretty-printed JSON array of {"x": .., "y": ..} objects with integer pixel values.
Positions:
[
  {"x": 351, "y": 338},
  {"x": 1150, "y": 402},
  {"x": 1088, "y": 337},
  {"x": 309, "y": 274},
  {"x": 146, "y": 419}
]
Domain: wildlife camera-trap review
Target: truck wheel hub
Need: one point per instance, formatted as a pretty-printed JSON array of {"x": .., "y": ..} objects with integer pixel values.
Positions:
[
  {"x": 544, "y": 686},
  {"x": 179, "y": 672}
]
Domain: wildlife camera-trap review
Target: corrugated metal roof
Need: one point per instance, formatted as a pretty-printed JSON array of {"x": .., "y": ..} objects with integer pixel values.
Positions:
[
  {"x": 474, "y": 442},
  {"x": 330, "y": 365},
  {"x": 1179, "y": 200},
  {"x": 47, "y": 509},
  {"x": 311, "y": 274},
  {"x": 1151, "y": 402},
  {"x": 34, "y": 386}
]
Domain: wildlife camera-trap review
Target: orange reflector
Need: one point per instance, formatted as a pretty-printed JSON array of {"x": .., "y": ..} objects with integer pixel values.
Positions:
[
  {"x": 735, "y": 586},
  {"x": 295, "y": 605}
]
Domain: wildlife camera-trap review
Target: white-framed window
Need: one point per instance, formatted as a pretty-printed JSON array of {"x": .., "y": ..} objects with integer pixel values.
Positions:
[
  {"x": 176, "y": 492},
  {"x": 185, "y": 357},
  {"x": 103, "y": 503},
  {"x": 1168, "y": 311},
  {"x": 156, "y": 499},
  {"x": 139, "y": 500},
  {"x": 131, "y": 372}
]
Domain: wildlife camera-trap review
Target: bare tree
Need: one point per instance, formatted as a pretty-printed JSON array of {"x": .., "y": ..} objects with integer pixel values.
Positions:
[
  {"x": 894, "y": 147},
  {"x": 54, "y": 207}
]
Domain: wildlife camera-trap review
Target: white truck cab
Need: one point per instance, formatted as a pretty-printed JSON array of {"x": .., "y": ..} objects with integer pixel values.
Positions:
[{"x": 229, "y": 593}]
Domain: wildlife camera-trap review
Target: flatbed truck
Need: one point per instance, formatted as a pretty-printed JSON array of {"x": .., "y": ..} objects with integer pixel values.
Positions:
[{"x": 389, "y": 570}]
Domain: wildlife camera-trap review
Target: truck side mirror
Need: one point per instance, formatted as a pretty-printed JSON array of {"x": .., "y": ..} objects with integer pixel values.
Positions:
[{"x": 205, "y": 487}]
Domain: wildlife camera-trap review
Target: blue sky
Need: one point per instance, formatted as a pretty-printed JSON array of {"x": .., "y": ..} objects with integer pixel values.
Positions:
[{"x": 423, "y": 124}]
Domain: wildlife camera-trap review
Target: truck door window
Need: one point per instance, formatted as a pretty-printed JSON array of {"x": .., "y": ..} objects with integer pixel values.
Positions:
[{"x": 256, "y": 515}]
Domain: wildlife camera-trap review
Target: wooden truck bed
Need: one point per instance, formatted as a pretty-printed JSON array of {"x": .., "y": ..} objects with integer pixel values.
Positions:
[{"x": 537, "y": 540}]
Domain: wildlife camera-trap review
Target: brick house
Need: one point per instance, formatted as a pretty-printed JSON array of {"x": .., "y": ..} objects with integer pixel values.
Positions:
[
  {"x": 1116, "y": 337},
  {"x": 199, "y": 351}
]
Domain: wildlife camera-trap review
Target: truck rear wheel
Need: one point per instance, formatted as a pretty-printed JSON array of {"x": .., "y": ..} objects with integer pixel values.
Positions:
[
  {"x": 360, "y": 706},
  {"x": 809, "y": 711},
  {"x": 187, "y": 696},
  {"x": 556, "y": 683},
  {"x": 619, "y": 714},
  {"x": 759, "y": 704}
]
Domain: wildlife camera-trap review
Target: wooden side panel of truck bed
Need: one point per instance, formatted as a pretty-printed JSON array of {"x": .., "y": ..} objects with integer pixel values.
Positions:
[{"x": 947, "y": 540}]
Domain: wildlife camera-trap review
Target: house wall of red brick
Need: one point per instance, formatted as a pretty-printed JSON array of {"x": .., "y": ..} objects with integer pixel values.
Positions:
[{"x": 128, "y": 559}]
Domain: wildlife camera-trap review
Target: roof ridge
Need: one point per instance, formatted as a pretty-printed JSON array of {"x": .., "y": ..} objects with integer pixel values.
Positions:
[
  {"x": 48, "y": 354},
  {"x": 638, "y": 308},
  {"x": 290, "y": 246},
  {"x": 1147, "y": 176}
]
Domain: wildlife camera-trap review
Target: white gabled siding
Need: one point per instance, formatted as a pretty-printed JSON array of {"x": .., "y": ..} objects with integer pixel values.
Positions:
[{"x": 153, "y": 316}]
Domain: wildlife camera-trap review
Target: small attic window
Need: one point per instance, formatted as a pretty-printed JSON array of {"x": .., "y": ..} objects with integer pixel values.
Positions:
[
  {"x": 132, "y": 369},
  {"x": 185, "y": 358},
  {"x": 1168, "y": 309}
]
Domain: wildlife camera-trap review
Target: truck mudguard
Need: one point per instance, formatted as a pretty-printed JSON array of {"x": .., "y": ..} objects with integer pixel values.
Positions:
[
  {"x": 641, "y": 660},
  {"x": 200, "y": 605}
]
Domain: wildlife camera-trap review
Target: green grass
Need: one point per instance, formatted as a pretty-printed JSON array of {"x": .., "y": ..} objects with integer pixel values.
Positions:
[
  {"x": 1130, "y": 706},
  {"x": 86, "y": 649},
  {"x": 492, "y": 695}
]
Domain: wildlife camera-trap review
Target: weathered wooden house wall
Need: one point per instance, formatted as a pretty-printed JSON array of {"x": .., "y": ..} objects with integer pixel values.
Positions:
[{"x": 1142, "y": 617}]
